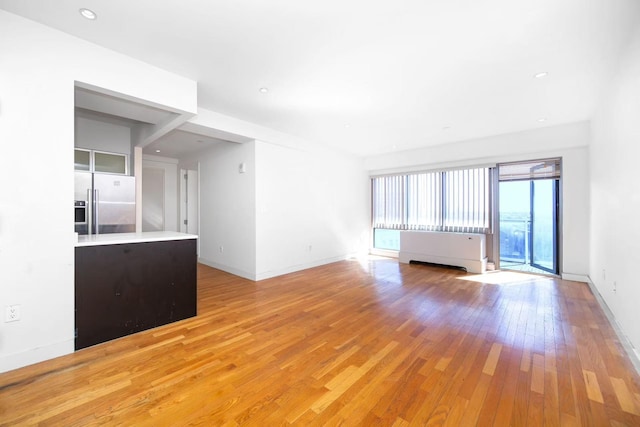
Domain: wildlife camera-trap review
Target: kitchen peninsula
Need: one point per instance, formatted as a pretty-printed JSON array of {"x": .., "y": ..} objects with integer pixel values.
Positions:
[{"x": 129, "y": 282}]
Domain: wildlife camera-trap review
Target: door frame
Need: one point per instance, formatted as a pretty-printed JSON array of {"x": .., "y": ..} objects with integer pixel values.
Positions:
[
  {"x": 184, "y": 207},
  {"x": 495, "y": 251}
]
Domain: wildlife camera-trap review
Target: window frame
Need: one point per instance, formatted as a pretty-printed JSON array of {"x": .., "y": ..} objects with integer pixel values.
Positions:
[{"x": 457, "y": 210}]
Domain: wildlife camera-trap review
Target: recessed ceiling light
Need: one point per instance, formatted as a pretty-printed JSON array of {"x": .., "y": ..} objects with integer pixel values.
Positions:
[
  {"x": 542, "y": 119},
  {"x": 446, "y": 128},
  {"x": 264, "y": 90},
  {"x": 157, "y": 151},
  {"x": 89, "y": 14},
  {"x": 541, "y": 75},
  {"x": 347, "y": 125}
]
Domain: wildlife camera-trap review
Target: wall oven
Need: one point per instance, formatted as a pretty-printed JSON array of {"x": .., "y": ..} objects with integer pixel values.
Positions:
[{"x": 80, "y": 207}]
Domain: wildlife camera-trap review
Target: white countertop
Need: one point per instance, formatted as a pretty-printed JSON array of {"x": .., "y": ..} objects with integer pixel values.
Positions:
[{"x": 122, "y": 238}]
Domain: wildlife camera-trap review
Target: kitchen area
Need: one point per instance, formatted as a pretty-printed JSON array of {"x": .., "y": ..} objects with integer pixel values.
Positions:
[
  {"x": 135, "y": 268},
  {"x": 82, "y": 96}
]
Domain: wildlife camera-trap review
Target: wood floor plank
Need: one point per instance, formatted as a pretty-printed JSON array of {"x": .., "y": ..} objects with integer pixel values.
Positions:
[
  {"x": 366, "y": 342},
  {"x": 593, "y": 388},
  {"x": 492, "y": 360},
  {"x": 537, "y": 374},
  {"x": 492, "y": 400},
  {"x": 519, "y": 413},
  {"x": 470, "y": 417},
  {"x": 628, "y": 402}
]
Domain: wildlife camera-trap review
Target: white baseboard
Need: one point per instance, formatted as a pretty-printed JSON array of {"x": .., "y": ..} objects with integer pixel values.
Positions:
[
  {"x": 234, "y": 271},
  {"x": 299, "y": 267},
  {"x": 256, "y": 277},
  {"x": 10, "y": 362},
  {"x": 575, "y": 277},
  {"x": 633, "y": 354}
]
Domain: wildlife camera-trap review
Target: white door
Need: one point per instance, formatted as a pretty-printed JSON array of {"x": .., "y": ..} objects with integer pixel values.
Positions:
[{"x": 152, "y": 199}]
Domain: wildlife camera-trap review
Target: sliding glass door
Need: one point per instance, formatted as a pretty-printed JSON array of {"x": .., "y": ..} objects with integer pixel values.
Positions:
[
  {"x": 515, "y": 223},
  {"x": 528, "y": 209},
  {"x": 544, "y": 234}
]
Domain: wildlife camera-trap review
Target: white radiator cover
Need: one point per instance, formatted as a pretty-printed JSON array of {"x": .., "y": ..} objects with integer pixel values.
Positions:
[{"x": 458, "y": 249}]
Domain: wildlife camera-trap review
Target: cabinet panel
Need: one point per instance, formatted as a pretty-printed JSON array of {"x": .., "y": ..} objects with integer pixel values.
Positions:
[
  {"x": 100, "y": 161},
  {"x": 82, "y": 160},
  {"x": 123, "y": 289},
  {"x": 109, "y": 162}
]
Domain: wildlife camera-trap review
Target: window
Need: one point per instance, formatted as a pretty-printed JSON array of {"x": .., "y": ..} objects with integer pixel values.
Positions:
[
  {"x": 467, "y": 200},
  {"x": 454, "y": 200}
]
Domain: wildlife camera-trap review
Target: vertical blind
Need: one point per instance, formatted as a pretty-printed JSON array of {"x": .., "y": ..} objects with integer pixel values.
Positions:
[{"x": 455, "y": 200}]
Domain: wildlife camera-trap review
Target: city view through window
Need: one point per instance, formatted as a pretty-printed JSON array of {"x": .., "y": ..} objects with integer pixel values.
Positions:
[
  {"x": 459, "y": 201},
  {"x": 528, "y": 225}
]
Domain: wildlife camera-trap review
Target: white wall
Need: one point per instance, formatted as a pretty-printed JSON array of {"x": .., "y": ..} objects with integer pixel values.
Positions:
[
  {"x": 170, "y": 167},
  {"x": 312, "y": 208},
  {"x": 305, "y": 195},
  {"x": 567, "y": 141},
  {"x": 615, "y": 194},
  {"x": 38, "y": 68},
  {"x": 227, "y": 208}
]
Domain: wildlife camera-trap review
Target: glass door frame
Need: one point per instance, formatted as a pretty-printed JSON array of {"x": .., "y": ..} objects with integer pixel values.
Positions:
[
  {"x": 495, "y": 250},
  {"x": 555, "y": 208}
]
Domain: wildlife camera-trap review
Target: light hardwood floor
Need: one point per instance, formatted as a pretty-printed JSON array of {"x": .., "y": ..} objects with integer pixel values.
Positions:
[{"x": 353, "y": 343}]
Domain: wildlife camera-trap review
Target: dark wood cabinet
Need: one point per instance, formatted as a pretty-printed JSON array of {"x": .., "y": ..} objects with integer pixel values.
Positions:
[{"x": 126, "y": 288}]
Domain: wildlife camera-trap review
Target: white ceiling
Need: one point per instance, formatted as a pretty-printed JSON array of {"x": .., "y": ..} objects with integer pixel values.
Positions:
[
  {"x": 370, "y": 76},
  {"x": 178, "y": 143}
]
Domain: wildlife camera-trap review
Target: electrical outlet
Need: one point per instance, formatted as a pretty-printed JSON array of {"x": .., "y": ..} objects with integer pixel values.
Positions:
[
  {"x": 604, "y": 274},
  {"x": 615, "y": 286},
  {"x": 12, "y": 313},
  {"x": 221, "y": 249},
  {"x": 310, "y": 248}
]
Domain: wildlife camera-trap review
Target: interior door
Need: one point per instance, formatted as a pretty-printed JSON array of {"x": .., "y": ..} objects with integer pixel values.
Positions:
[
  {"x": 544, "y": 229},
  {"x": 153, "y": 199}
]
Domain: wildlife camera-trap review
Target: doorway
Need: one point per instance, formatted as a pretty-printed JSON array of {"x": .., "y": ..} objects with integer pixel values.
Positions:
[
  {"x": 189, "y": 220},
  {"x": 528, "y": 217}
]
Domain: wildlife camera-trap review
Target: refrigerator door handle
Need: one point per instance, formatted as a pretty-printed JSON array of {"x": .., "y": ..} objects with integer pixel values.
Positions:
[
  {"x": 96, "y": 201},
  {"x": 89, "y": 213}
]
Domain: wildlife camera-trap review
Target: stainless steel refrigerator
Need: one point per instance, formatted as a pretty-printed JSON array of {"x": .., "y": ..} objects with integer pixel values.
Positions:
[{"x": 104, "y": 203}]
